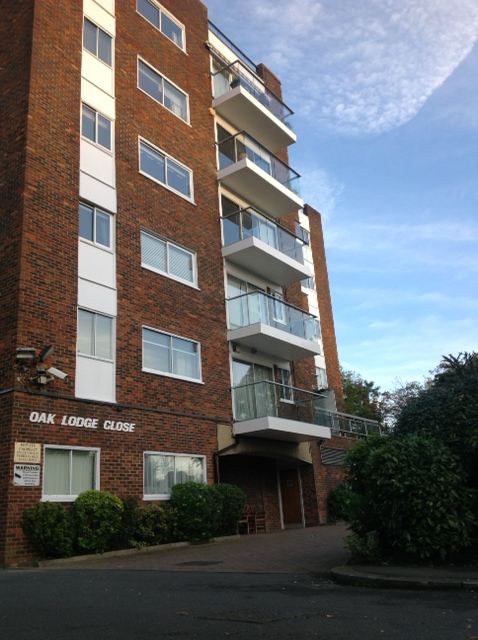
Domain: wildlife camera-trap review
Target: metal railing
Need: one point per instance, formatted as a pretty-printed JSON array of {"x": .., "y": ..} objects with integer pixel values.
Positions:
[
  {"x": 257, "y": 306},
  {"x": 237, "y": 74},
  {"x": 241, "y": 145},
  {"x": 230, "y": 45},
  {"x": 247, "y": 223},
  {"x": 267, "y": 398}
]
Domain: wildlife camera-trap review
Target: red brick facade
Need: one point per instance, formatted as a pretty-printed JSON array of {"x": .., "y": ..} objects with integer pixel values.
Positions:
[{"x": 40, "y": 74}]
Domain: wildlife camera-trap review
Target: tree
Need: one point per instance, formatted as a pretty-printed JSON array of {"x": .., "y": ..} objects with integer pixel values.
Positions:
[
  {"x": 393, "y": 402},
  {"x": 361, "y": 397},
  {"x": 448, "y": 410}
]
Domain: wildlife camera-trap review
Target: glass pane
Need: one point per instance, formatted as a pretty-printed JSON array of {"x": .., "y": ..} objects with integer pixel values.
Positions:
[
  {"x": 88, "y": 122},
  {"x": 86, "y": 222},
  {"x": 180, "y": 263},
  {"x": 104, "y": 337},
  {"x": 83, "y": 471},
  {"x": 148, "y": 11},
  {"x": 152, "y": 163},
  {"x": 104, "y": 132},
  {"x": 56, "y": 479},
  {"x": 178, "y": 178},
  {"x": 189, "y": 469},
  {"x": 175, "y": 100},
  {"x": 153, "y": 252},
  {"x": 156, "y": 351},
  {"x": 86, "y": 332},
  {"x": 89, "y": 36},
  {"x": 158, "y": 474},
  {"x": 172, "y": 30},
  {"x": 150, "y": 81},
  {"x": 242, "y": 373},
  {"x": 103, "y": 228},
  {"x": 104, "y": 47},
  {"x": 185, "y": 358}
]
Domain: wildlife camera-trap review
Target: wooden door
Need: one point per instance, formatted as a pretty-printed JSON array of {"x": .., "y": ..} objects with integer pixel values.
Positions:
[{"x": 291, "y": 497}]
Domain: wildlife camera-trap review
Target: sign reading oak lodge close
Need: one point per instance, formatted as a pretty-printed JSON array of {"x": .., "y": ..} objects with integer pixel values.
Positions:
[{"x": 37, "y": 417}]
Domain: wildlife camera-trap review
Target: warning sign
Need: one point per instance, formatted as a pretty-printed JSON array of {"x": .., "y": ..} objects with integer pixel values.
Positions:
[
  {"x": 26, "y": 475},
  {"x": 29, "y": 452}
]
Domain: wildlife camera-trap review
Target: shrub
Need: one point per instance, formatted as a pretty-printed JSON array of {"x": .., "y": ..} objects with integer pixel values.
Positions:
[
  {"x": 196, "y": 511},
  {"x": 409, "y": 493},
  {"x": 153, "y": 525},
  {"x": 338, "y": 502},
  {"x": 230, "y": 501},
  {"x": 98, "y": 520},
  {"x": 48, "y": 528},
  {"x": 130, "y": 518}
]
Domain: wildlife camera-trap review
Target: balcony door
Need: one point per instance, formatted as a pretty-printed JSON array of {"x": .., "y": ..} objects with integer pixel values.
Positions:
[
  {"x": 291, "y": 494},
  {"x": 254, "y": 395}
]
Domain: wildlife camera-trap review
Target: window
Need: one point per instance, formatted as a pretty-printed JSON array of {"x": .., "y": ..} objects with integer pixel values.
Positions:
[
  {"x": 284, "y": 378},
  {"x": 321, "y": 378},
  {"x": 168, "y": 258},
  {"x": 69, "y": 471},
  {"x": 162, "y": 90},
  {"x": 170, "y": 355},
  {"x": 97, "y": 42},
  {"x": 159, "y": 18},
  {"x": 163, "y": 169},
  {"x": 163, "y": 470},
  {"x": 95, "y": 127},
  {"x": 95, "y": 225},
  {"x": 95, "y": 335}
]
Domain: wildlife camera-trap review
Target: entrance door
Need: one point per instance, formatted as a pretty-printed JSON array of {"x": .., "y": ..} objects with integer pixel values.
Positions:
[{"x": 291, "y": 497}]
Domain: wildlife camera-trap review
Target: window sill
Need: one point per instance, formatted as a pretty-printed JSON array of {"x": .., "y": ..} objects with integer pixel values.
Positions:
[
  {"x": 159, "y": 496},
  {"x": 172, "y": 375}
]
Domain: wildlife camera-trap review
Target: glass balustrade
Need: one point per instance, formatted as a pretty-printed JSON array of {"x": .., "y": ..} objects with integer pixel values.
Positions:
[
  {"x": 265, "y": 399},
  {"x": 228, "y": 77},
  {"x": 247, "y": 223},
  {"x": 259, "y": 307},
  {"x": 237, "y": 147}
]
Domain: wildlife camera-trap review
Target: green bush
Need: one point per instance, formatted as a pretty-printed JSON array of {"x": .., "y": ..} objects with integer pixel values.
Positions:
[
  {"x": 338, "y": 502},
  {"x": 409, "y": 498},
  {"x": 196, "y": 511},
  {"x": 153, "y": 525},
  {"x": 48, "y": 528},
  {"x": 98, "y": 520},
  {"x": 230, "y": 501}
]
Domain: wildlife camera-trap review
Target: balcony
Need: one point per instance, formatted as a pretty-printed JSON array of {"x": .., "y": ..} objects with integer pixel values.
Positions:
[
  {"x": 257, "y": 243},
  {"x": 271, "y": 410},
  {"x": 242, "y": 98},
  {"x": 267, "y": 324},
  {"x": 251, "y": 171}
]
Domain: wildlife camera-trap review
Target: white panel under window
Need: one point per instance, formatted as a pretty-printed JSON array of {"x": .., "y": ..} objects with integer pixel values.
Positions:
[
  {"x": 97, "y": 99},
  {"x": 95, "y": 379},
  {"x": 96, "y": 191},
  {"x": 97, "y": 163},
  {"x": 95, "y": 296},
  {"x": 97, "y": 72},
  {"x": 96, "y": 265},
  {"x": 98, "y": 15},
  {"x": 108, "y": 5}
]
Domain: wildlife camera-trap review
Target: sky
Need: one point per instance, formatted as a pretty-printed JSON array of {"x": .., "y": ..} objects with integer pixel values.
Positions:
[{"x": 385, "y": 95}]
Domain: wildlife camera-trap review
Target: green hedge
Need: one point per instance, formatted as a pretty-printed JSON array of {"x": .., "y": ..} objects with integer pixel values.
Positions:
[
  {"x": 49, "y": 529},
  {"x": 98, "y": 518},
  {"x": 409, "y": 500}
]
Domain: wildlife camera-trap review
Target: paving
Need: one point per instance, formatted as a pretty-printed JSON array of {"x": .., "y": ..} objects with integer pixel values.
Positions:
[{"x": 312, "y": 550}]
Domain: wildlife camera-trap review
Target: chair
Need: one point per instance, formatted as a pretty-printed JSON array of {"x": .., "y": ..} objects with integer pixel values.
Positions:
[{"x": 260, "y": 522}]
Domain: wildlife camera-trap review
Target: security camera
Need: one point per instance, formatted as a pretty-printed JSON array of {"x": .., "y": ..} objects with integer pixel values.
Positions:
[{"x": 56, "y": 373}]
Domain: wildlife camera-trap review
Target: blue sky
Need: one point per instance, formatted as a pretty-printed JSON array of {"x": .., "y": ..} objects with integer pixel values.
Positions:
[{"x": 385, "y": 94}]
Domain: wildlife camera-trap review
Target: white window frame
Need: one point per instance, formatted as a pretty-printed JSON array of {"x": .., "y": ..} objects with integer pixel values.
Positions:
[
  {"x": 285, "y": 388},
  {"x": 167, "y": 274},
  {"x": 95, "y": 142},
  {"x": 168, "y": 374},
  {"x": 164, "y": 78},
  {"x": 113, "y": 336},
  {"x": 69, "y": 497},
  {"x": 166, "y": 157},
  {"x": 166, "y": 496},
  {"x": 93, "y": 242},
  {"x": 171, "y": 17},
  {"x": 95, "y": 55}
]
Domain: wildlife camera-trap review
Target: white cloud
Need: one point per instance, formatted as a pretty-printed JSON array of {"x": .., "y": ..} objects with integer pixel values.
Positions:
[
  {"x": 361, "y": 67},
  {"x": 317, "y": 186}
]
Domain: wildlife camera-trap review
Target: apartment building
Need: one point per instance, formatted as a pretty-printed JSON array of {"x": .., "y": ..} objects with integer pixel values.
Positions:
[{"x": 165, "y": 312}]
